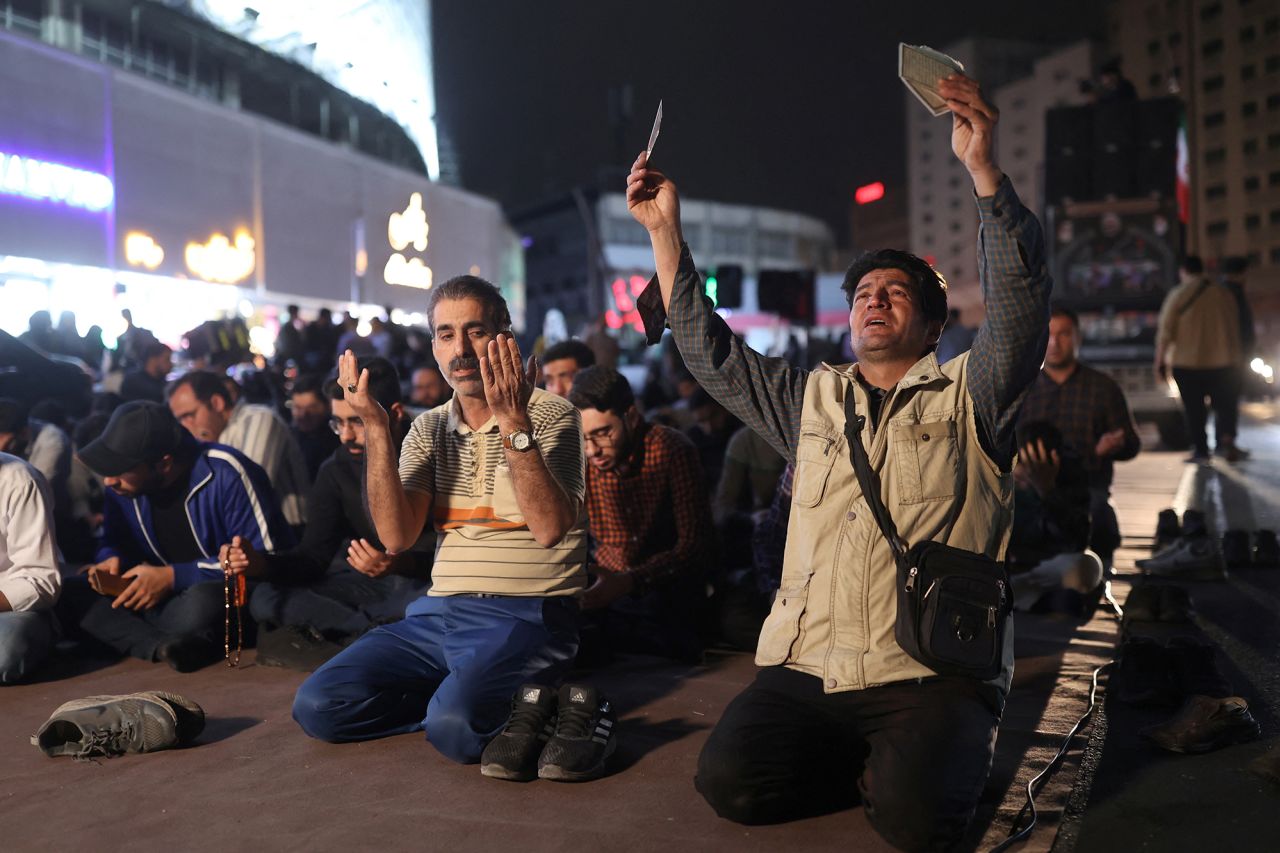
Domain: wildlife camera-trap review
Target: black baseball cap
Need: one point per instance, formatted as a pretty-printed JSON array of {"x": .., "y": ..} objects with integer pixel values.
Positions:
[{"x": 138, "y": 432}]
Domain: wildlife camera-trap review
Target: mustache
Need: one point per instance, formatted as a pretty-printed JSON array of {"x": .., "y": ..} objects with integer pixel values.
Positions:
[
  {"x": 464, "y": 362},
  {"x": 353, "y": 446}
]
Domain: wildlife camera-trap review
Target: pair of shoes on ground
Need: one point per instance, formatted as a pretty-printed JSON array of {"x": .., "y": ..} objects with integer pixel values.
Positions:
[
  {"x": 1151, "y": 673},
  {"x": 1196, "y": 557},
  {"x": 108, "y": 726},
  {"x": 1148, "y": 602},
  {"x": 1242, "y": 549},
  {"x": 565, "y": 737},
  {"x": 1203, "y": 724},
  {"x": 1230, "y": 453}
]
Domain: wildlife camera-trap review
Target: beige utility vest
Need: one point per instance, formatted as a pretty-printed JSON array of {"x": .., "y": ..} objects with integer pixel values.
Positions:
[{"x": 836, "y": 606}]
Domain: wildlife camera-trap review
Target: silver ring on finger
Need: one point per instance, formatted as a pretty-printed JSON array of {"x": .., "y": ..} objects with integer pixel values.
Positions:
[{"x": 351, "y": 388}]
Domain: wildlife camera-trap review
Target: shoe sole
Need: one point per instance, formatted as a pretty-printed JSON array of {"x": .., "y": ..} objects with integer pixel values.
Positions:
[
  {"x": 497, "y": 771},
  {"x": 556, "y": 773}
]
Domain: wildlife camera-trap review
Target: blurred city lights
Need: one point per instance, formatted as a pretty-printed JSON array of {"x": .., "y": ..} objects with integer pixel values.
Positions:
[
  {"x": 141, "y": 250},
  {"x": 220, "y": 260}
]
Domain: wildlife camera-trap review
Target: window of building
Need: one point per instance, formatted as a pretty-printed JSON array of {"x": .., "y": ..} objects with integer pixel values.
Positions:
[
  {"x": 1154, "y": 80},
  {"x": 1273, "y": 141},
  {"x": 1215, "y": 191},
  {"x": 955, "y": 203},
  {"x": 1215, "y": 155},
  {"x": 1213, "y": 84},
  {"x": 1274, "y": 217},
  {"x": 1211, "y": 11},
  {"x": 1271, "y": 25},
  {"x": 1249, "y": 108},
  {"x": 953, "y": 182},
  {"x": 1216, "y": 228},
  {"x": 926, "y": 157},
  {"x": 1252, "y": 222},
  {"x": 1275, "y": 255},
  {"x": 728, "y": 241},
  {"x": 1248, "y": 34},
  {"x": 1211, "y": 48},
  {"x": 776, "y": 244},
  {"x": 1253, "y": 258},
  {"x": 1272, "y": 64},
  {"x": 955, "y": 227},
  {"x": 1273, "y": 102},
  {"x": 957, "y": 249},
  {"x": 1248, "y": 72},
  {"x": 1175, "y": 39},
  {"x": 1250, "y": 146},
  {"x": 1019, "y": 153},
  {"x": 1252, "y": 183},
  {"x": 1273, "y": 180},
  {"x": 1215, "y": 119},
  {"x": 927, "y": 218}
]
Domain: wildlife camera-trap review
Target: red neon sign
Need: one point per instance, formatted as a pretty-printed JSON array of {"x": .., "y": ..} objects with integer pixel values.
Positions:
[{"x": 869, "y": 193}]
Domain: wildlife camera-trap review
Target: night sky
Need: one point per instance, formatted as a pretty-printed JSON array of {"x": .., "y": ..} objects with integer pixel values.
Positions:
[{"x": 789, "y": 105}]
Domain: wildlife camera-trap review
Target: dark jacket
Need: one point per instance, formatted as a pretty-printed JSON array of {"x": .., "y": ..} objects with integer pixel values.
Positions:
[
  {"x": 336, "y": 514},
  {"x": 228, "y": 495}
]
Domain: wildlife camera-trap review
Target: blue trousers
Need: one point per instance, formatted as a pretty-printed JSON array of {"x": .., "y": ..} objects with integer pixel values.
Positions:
[
  {"x": 26, "y": 639},
  {"x": 450, "y": 667}
]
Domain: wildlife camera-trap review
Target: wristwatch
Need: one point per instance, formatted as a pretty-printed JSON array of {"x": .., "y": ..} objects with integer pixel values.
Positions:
[{"x": 520, "y": 441}]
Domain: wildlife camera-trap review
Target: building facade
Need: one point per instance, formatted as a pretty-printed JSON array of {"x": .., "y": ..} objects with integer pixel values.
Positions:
[
  {"x": 133, "y": 176},
  {"x": 1024, "y": 80},
  {"x": 1222, "y": 57}
]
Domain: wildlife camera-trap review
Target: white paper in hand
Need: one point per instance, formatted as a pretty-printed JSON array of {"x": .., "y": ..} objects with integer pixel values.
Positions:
[
  {"x": 920, "y": 68},
  {"x": 653, "y": 134}
]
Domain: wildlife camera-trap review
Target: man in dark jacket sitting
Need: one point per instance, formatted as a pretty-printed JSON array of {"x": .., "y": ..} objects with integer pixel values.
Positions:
[{"x": 339, "y": 581}]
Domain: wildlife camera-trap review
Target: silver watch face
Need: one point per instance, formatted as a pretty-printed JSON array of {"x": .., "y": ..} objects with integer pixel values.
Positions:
[{"x": 521, "y": 441}]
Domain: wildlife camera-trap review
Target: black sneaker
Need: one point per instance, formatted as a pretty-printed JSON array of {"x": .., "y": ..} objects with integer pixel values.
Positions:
[
  {"x": 1237, "y": 550},
  {"x": 299, "y": 647},
  {"x": 187, "y": 654},
  {"x": 513, "y": 754},
  {"x": 1194, "y": 523},
  {"x": 114, "y": 725},
  {"x": 1175, "y": 604},
  {"x": 1266, "y": 550},
  {"x": 1143, "y": 604},
  {"x": 1145, "y": 673},
  {"x": 1168, "y": 528},
  {"x": 584, "y": 737}
]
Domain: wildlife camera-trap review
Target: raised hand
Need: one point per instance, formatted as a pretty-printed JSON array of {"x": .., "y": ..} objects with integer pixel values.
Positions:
[
  {"x": 355, "y": 390},
  {"x": 652, "y": 197},
  {"x": 973, "y": 123},
  {"x": 1040, "y": 465},
  {"x": 508, "y": 386}
]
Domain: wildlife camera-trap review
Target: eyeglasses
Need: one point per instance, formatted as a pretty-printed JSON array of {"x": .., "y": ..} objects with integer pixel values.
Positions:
[
  {"x": 338, "y": 424},
  {"x": 601, "y": 438}
]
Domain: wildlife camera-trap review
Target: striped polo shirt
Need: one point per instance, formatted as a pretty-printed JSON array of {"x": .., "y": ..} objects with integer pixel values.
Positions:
[{"x": 483, "y": 544}]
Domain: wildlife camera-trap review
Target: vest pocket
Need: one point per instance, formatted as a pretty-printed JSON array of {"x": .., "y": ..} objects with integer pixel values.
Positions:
[
  {"x": 926, "y": 459},
  {"x": 782, "y": 627},
  {"x": 815, "y": 454}
]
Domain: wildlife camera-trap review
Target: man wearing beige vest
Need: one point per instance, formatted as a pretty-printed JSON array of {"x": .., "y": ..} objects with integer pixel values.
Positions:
[
  {"x": 1199, "y": 337},
  {"x": 839, "y": 710}
]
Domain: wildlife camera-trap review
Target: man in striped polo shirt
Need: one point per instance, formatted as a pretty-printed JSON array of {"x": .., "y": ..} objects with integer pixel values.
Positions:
[{"x": 499, "y": 471}]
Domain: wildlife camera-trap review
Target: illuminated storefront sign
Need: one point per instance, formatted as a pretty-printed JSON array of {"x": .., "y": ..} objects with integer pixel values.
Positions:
[
  {"x": 28, "y": 177},
  {"x": 404, "y": 229},
  {"x": 141, "y": 250},
  {"x": 222, "y": 260},
  {"x": 624, "y": 311}
]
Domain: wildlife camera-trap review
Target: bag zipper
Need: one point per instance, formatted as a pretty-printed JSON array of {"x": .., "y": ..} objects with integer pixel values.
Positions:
[{"x": 911, "y": 578}]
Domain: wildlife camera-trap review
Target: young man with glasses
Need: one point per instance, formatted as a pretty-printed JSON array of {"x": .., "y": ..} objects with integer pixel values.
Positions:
[
  {"x": 651, "y": 530},
  {"x": 339, "y": 582}
]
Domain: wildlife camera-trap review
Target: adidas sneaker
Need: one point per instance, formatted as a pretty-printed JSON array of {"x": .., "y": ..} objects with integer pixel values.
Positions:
[
  {"x": 513, "y": 754},
  {"x": 584, "y": 737}
]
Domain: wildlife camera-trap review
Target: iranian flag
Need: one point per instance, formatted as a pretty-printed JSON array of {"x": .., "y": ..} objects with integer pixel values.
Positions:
[{"x": 1182, "y": 189}]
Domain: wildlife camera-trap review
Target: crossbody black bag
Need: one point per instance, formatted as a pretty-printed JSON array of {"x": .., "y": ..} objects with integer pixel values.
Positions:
[{"x": 952, "y": 603}]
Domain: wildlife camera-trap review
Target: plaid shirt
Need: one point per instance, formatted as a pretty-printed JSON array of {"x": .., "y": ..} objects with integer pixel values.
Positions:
[
  {"x": 1084, "y": 407},
  {"x": 651, "y": 516},
  {"x": 767, "y": 393}
]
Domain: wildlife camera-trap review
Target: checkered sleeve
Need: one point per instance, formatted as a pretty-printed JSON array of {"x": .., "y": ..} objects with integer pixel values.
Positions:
[
  {"x": 765, "y": 393},
  {"x": 1009, "y": 347}
]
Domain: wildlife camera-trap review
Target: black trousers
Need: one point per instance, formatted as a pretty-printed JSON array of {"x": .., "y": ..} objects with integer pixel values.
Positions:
[
  {"x": 341, "y": 603},
  {"x": 1222, "y": 386},
  {"x": 197, "y": 612},
  {"x": 916, "y": 753}
]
